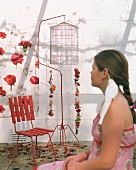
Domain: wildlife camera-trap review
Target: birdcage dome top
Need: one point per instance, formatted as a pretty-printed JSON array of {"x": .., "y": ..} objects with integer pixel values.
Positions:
[{"x": 63, "y": 24}]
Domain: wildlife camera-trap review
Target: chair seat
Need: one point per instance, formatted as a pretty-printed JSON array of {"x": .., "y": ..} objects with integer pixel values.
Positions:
[
  {"x": 44, "y": 129},
  {"x": 32, "y": 132}
]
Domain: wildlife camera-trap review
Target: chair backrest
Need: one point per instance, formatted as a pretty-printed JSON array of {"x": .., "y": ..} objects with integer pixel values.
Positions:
[{"x": 21, "y": 108}]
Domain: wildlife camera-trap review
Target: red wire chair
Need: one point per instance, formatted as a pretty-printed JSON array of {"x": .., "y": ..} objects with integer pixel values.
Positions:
[{"x": 22, "y": 110}]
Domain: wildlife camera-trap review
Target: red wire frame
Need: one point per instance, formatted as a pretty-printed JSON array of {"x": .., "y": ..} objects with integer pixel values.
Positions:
[{"x": 62, "y": 126}]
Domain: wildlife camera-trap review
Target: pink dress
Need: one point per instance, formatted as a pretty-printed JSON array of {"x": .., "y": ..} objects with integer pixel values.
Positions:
[{"x": 125, "y": 154}]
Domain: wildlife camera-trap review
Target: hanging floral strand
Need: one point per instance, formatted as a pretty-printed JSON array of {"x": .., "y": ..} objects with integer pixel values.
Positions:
[
  {"x": 77, "y": 102},
  {"x": 52, "y": 89}
]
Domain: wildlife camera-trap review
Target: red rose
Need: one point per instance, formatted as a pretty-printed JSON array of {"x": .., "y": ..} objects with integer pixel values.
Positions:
[
  {"x": 17, "y": 58},
  {"x": 3, "y": 35},
  {"x": 77, "y": 84},
  {"x": 1, "y": 88},
  {"x": 50, "y": 113},
  {"x": 25, "y": 43},
  {"x": 37, "y": 64},
  {"x": 78, "y": 110},
  {"x": 34, "y": 80},
  {"x": 10, "y": 79},
  {"x": 77, "y": 75},
  {"x": 50, "y": 96},
  {"x": 2, "y": 109},
  {"x": 76, "y": 94},
  {"x": 2, "y": 92},
  {"x": 76, "y": 69},
  {"x": 1, "y": 51},
  {"x": 77, "y": 101}
]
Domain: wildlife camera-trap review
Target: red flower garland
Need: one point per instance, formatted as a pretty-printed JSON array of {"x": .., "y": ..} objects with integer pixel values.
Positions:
[
  {"x": 52, "y": 89},
  {"x": 77, "y": 102}
]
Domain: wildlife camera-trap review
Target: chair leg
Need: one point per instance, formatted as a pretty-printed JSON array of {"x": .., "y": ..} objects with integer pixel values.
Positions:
[
  {"x": 33, "y": 155},
  {"x": 53, "y": 152},
  {"x": 15, "y": 149},
  {"x": 36, "y": 147}
]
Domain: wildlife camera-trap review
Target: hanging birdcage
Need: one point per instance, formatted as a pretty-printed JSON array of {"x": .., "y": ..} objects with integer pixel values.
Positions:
[{"x": 64, "y": 44}]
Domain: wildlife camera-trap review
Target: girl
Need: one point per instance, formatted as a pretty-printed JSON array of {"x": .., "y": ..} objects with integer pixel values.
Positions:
[{"x": 113, "y": 128}]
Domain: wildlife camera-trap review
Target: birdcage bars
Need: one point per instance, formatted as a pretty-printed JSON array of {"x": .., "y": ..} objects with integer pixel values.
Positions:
[{"x": 64, "y": 44}]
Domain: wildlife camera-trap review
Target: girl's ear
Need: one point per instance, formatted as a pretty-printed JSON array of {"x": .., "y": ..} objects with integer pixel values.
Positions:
[{"x": 105, "y": 73}]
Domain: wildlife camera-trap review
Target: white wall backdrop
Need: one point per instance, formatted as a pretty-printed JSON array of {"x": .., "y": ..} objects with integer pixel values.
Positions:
[{"x": 103, "y": 24}]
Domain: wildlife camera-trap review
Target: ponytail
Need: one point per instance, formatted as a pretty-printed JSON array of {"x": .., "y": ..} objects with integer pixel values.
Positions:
[{"x": 128, "y": 96}]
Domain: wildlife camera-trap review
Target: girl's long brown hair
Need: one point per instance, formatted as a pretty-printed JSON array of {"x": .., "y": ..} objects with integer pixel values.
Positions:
[{"x": 117, "y": 65}]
